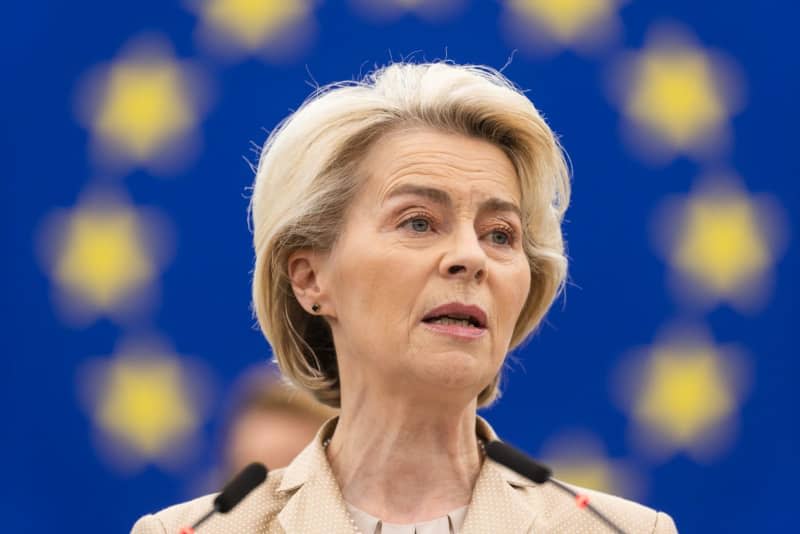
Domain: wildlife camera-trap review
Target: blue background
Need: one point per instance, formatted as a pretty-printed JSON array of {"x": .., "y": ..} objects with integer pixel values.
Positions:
[{"x": 53, "y": 479}]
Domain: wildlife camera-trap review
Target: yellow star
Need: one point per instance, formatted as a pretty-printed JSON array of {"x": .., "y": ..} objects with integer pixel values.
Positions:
[
  {"x": 579, "y": 458},
  {"x": 103, "y": 256},
  {"x": 565, "y": 20},
  {"x": 143, "y": 403},
  {"x": 145, "y": 105},
  {"x": 685, "y": 393},
  {"x": 593, "y": 473},
  {"x": 721, "y": 242},
  {"x": 252, "y": 23},
  {"x": 676, "y": 96},
  {"x": 721, "y": 245}
]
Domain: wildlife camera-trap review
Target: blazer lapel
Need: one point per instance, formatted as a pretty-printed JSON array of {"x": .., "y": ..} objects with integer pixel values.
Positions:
[
  {"x": 316, "y": 505},
  {"x": 496, "y": 505},
  {"x": 498, "y": 501}
]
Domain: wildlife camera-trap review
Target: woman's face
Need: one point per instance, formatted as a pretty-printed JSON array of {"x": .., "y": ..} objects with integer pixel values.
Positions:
[{"x": 436, "y": 223}]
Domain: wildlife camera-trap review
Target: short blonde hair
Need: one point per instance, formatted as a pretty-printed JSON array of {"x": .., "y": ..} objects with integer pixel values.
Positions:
[{"x": 308, "y": 174}]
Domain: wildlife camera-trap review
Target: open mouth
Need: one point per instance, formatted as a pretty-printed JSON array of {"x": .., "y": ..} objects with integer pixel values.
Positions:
[
  {"x": 458, "y": 320},
  {"x": 455, "y": 326}
]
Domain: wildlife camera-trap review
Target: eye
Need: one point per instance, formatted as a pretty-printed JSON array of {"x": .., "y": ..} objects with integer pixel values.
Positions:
[
  {"x": 501, "y": 237},
  {"x": 418, "y": 224}
]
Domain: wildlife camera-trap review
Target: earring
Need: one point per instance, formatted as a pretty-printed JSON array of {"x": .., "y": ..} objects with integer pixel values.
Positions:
[{"x": 315, "y": 307}]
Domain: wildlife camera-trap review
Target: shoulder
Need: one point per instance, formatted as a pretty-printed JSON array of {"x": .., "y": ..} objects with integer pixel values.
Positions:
[
  {"x": 559, "y": 512},
  {"x": 256, "y": 513}
]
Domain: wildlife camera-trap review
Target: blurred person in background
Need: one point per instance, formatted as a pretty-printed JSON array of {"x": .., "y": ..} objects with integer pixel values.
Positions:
[
  {"x": 407, "y": 233},
  {"x": 269, "y": 422}
]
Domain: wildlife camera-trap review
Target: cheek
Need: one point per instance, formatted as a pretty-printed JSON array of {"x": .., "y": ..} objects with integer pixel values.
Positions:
[
  {"x": 375, "y": 288},
  {"x": 515, "y": 288}
]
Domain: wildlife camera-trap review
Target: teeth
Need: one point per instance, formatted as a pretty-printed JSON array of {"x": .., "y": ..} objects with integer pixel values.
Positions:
[{"x": 450, "y": 320}]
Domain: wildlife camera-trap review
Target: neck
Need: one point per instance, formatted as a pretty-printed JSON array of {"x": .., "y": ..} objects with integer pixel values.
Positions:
[{"x": 405, "y": 462}]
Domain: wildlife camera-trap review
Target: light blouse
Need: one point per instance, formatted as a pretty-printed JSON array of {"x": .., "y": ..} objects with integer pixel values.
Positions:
[{"x": 447, "y": 524}]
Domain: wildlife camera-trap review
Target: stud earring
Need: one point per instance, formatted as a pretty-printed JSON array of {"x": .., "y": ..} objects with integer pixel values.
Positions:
[{"x": 315, "y": 307}]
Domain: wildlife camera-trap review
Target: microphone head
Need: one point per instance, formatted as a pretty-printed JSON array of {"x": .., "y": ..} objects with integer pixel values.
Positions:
[
  {"x": 239, "y": 486},
  {"x": 518, "y": 461}
]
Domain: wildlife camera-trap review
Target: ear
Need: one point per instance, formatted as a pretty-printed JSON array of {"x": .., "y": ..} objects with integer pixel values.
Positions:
[{"x": 304, "y": 269}]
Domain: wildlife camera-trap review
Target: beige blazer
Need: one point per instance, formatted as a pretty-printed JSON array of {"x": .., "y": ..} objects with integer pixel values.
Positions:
[{"x": 304, "y": 498}]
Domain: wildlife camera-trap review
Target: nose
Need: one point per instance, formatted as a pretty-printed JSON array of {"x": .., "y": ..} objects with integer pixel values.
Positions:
[{"x": 465, "y": 258}]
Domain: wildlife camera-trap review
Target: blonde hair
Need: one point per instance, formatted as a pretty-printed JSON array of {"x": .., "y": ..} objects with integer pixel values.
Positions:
[{"x": 308, "y": 174}]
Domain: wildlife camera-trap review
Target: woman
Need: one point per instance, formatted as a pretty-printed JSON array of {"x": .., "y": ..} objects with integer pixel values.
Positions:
[{"x": 407, "y": 236}]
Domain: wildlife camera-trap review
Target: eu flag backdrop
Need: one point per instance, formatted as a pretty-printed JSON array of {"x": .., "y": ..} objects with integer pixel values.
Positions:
[{"x": 667, "y": 374}]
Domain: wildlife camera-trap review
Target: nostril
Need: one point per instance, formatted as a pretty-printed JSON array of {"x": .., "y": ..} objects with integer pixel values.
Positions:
[{"x": 456, "y": 269}]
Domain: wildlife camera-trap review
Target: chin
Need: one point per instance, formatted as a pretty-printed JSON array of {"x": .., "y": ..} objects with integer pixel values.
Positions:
[{"x": 455, "y": 369}]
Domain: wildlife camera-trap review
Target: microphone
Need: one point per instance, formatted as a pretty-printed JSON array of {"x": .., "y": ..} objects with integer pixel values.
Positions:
[
  {"x": 521, "y": 463},
  {"x": 233, "y": 493}
]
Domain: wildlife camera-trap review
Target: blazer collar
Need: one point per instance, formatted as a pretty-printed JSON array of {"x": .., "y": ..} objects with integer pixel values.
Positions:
[
  {"x": 497, "y": 503},
  {"x": 316, "y": 505}
]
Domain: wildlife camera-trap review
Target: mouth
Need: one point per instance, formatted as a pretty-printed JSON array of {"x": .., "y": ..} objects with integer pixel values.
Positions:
[{"x": 456, "y": 319}]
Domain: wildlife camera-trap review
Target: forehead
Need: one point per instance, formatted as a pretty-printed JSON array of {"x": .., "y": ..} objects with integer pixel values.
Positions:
[{"x": 455, "y": 162}]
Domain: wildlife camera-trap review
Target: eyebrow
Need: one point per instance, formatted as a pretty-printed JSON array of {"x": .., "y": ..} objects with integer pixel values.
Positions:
[{"x": 441, "y": 197}]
